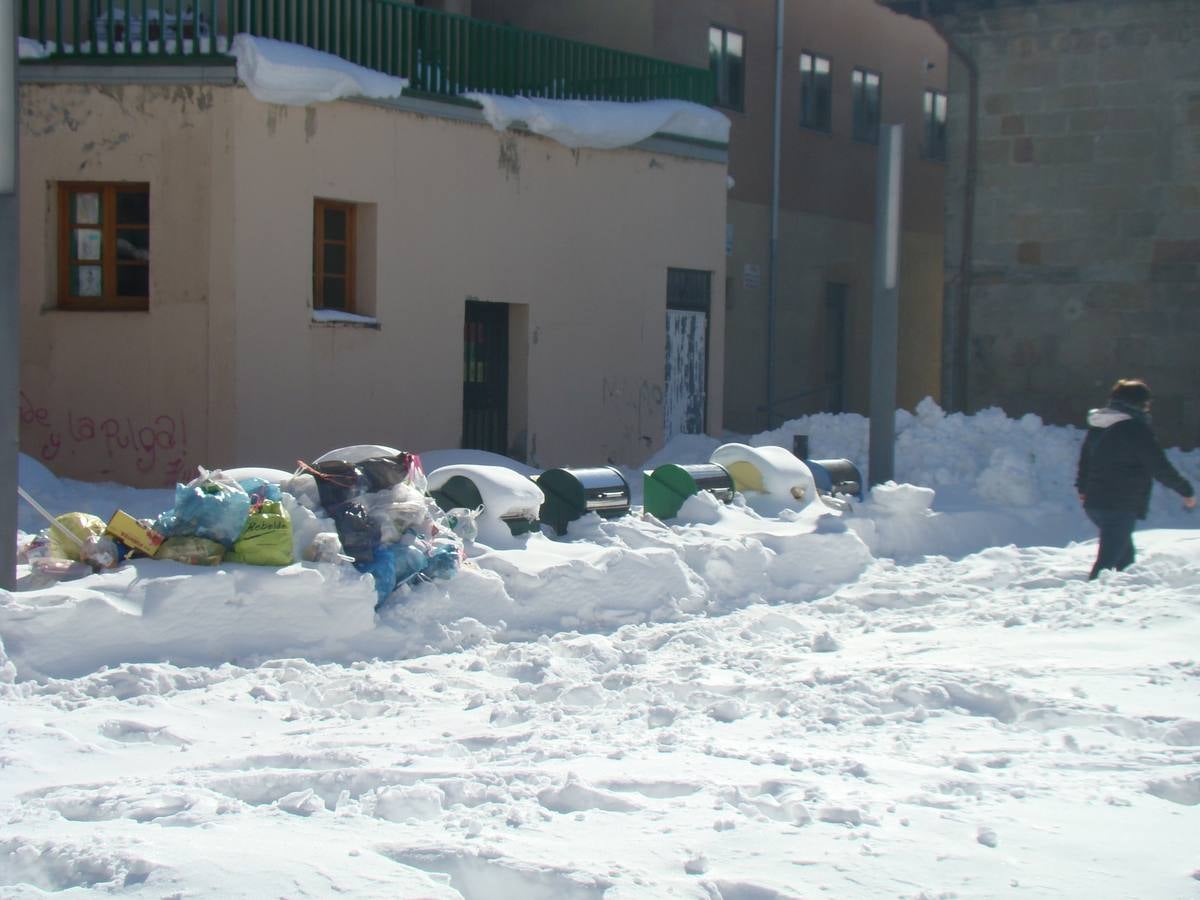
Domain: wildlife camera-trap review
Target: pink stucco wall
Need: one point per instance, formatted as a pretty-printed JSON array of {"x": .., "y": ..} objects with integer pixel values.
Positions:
[{"x": 578, "y": 241}]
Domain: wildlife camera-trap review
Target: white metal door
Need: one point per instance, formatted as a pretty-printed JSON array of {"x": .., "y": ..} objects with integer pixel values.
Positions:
[{"x": 687, "y": 363}]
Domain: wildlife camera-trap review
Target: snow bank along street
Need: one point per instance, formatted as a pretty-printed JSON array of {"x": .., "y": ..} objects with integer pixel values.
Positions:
[{"x": 921, "y": 697}]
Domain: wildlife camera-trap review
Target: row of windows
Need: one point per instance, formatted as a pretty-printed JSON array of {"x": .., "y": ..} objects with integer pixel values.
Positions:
[
  {"x": 726, "y": 54},
  {"x": 104, "y": 248}
]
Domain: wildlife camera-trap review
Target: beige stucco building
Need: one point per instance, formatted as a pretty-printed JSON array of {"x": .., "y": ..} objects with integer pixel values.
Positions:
[{"x": 229, "y": 363}]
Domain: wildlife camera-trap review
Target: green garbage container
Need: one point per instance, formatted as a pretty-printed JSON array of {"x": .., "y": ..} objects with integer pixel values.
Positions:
[
  {"x": 665, "y": 489},
  {"x": 570, "y": 493}
]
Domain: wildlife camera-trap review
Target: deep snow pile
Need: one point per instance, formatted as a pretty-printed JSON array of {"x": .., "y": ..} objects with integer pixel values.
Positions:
[
  {"x": 1000, "y": 481},
  {"x": 725, "y": 707}
]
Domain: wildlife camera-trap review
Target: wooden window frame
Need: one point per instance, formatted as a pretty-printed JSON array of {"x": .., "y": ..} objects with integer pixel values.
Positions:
[
  {"x": 810, "y": 81},
  {"x": 320, "y": 205},
  {"x": 721, "y": 69},
  {"x": 109, "y": 300}
]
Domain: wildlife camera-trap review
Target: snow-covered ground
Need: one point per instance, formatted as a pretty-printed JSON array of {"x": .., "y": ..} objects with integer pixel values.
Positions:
[{"x": 923, "y": 697}]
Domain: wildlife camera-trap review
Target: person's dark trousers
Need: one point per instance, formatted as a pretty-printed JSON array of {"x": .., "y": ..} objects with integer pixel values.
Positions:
[{"x": 1116, "y": 538}]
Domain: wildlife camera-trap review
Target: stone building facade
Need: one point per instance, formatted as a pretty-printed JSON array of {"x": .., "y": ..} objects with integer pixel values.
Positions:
[{"x": 1072, "y": 250}]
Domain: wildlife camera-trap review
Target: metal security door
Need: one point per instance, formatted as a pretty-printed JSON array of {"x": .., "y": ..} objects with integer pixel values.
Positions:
[
  {"x": 485, "y": 377},
  {"x": 686, "y": 387}
]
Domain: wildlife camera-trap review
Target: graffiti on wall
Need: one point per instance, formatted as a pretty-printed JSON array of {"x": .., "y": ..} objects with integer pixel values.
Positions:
[
  {"x": 153, "y": 444},
  {"x": 638, "y": 404}
]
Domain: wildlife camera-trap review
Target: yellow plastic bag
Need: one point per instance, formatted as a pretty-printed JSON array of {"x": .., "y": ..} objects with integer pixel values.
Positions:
[
  {"x": 195, "y": 551},
  {"x": 81, "y": 525}
]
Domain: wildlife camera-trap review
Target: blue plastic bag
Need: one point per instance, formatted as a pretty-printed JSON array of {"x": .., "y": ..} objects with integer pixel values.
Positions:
[
  {"x": 261, "y": 490},
  {"x": 381, "y": 567},
  {"x": 211, "y": 507},
  {"x": 444, "y": 560},
  {"x": 394, "y": 565},
  {"x": 410, "y": 562}
]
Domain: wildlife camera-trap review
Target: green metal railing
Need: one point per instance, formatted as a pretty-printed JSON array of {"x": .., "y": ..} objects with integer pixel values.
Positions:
[{"x": 439, "y": 53}]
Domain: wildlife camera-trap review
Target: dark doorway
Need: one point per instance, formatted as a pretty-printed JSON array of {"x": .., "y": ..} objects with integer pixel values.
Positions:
[{"x": 485, "y": 377}]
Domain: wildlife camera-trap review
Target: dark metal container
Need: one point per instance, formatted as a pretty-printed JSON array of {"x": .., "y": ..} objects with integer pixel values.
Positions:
[
  {"x": 836, "y": 476},
  {"x": 570, "y": 493}
]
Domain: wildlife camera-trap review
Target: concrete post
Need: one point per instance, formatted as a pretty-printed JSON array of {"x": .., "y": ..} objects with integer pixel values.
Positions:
[
  {"x": 10, "y": 301},
  {"x": 885, "y": 304}
]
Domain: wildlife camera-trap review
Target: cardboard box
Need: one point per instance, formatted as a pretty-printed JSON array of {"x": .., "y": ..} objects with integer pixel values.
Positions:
[{"x": 129, "y": 531}]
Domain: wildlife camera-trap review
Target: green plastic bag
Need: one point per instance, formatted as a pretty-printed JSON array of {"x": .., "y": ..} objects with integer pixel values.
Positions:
[{"x": 267, "y": 538}]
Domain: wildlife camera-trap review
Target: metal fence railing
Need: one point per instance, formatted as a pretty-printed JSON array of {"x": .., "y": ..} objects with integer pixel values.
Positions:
[{"x": 440, "y": 53}]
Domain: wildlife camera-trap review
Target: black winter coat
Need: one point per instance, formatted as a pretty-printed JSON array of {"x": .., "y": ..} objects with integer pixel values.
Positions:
[{"x": 1119, "y": 458}]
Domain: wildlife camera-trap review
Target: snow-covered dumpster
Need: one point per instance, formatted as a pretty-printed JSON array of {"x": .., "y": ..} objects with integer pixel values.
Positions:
[
  {"x": 768, "y": 472},
  {"x": 509, "y": 502}
]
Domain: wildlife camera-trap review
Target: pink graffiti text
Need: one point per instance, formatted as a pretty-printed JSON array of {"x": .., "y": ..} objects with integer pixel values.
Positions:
[{"x": 155, "y": 443}]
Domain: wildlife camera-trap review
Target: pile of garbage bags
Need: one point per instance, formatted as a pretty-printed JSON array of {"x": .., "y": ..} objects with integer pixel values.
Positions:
[
  {"x": 371, "y": 513},
  {"x": 383, "y": 518}
]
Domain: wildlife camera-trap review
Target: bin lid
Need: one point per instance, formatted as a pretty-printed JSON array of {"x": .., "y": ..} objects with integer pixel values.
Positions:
[
  {"x": 571, "y": 486},
  {"x": 457, "y": 492},
  {"x": 774, "y": 471},
  {"x": 358, "y": 452}
]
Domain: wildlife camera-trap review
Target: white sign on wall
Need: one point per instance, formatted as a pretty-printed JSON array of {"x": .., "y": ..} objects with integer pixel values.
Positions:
[{"x": 751, "y": 276}]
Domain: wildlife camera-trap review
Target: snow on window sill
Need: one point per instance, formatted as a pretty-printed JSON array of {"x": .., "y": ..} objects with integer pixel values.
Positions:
[{"x": 337, "y": 317}]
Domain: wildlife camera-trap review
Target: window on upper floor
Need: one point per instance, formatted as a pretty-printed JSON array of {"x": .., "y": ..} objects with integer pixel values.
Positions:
[
  {"x": 103, "y": 245},
  {"x": 334, "y": 256},
  {"x": 934, "y": 144},
  {"x": 867, "y": 91},
  {"x": 726, "y": 60},
  {"x": 816, "y": 91}
]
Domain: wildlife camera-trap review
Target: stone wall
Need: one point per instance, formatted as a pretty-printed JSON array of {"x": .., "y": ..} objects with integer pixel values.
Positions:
[{"x": 1086, "y": 249}]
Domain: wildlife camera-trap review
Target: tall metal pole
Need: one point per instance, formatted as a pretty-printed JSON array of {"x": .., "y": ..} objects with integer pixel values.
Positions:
[
  {"x": 885, "y": 314},
  {"x": 10, "y": 302},
  {"x": 773, "y": 251}
]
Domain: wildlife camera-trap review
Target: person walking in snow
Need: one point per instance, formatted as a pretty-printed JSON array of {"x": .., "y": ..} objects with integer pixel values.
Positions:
[{"x": 1119, "y": 459}]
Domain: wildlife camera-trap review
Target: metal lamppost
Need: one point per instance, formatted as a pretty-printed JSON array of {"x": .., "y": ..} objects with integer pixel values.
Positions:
[{"x": 885, "y": 305}]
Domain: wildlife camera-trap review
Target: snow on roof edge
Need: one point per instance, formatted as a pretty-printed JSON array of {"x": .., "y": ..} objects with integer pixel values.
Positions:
[
  {"x": 292, "y": 75},
  {"x": 604, "y": 124}
]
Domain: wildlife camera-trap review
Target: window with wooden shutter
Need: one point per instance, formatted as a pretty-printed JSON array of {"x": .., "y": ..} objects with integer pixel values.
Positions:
[{"x": 103, "y": 246}]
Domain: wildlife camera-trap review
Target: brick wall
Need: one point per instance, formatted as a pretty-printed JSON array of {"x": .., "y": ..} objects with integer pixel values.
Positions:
[{"x": 1086, "y": 249}]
